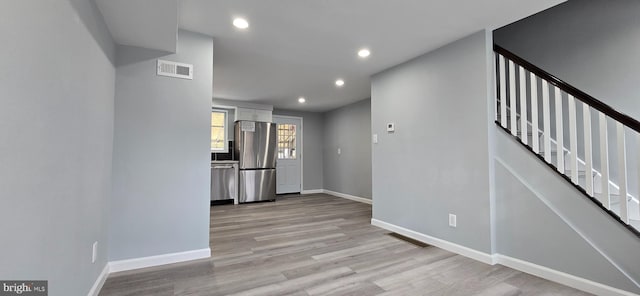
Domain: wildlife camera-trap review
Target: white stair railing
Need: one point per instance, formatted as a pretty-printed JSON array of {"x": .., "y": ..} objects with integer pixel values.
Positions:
[
  {"x": 517, "y": 111},
  {"x": 546, "y": 119},
  {"x": 523, "y": 106},
  {"x": 604, "y": 161},
  {"x": 622, "y": 173},
  {"x": 559, "y": 130},
  {"x": 588, "y": 151},
  {"x": 534, "y": 113},
  {"x": 512, "y": 97},
  {"x": 573, "y": 139}
]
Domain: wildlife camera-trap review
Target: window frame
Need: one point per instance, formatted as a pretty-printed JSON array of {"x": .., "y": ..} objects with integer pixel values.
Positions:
[
  {"x": 225, "y": 148},
  {"x": 295, "y": 148}
]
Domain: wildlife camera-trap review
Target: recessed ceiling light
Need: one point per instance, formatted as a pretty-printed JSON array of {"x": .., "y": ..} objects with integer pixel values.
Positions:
[
  {"x": 363, "y": 53},
  {"x": 339, "y": 82},
  {"x": 240, "y": 23},
  {"x": 301, "y": 100}
]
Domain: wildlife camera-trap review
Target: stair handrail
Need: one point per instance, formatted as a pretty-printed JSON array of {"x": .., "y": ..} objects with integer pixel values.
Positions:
[{"x": 570, "y": 89}]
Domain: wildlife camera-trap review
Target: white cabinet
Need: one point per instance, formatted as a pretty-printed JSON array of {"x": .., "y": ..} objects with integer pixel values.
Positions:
[
  {"x": 245, "y": 114},
  {"x": 253, "y": 114},
  {"x": 263, "y": 115}
]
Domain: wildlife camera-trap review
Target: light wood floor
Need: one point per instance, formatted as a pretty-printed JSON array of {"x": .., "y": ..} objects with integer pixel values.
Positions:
[{"x": 321, "y": 245}]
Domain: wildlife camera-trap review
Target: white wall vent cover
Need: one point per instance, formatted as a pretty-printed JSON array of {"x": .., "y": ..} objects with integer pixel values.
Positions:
[{"x": 174, "y": 69}]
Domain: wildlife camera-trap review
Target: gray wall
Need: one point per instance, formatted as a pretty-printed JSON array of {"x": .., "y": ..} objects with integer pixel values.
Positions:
[
  {"x": 161, "y": 167},
  {"x": 312, "y": 147},
  {"x": 591, "y": 44},
  {"x": 231, "y": 117},
  {"x": 427, "y": 169},
  {"x": 56, "y": 136},
  {"x": 542, "y": 219},
  {"x": 348, "y": 128}
]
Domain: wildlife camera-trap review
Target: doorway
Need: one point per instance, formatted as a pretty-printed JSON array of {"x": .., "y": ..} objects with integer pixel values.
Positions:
[{"x": 289, "y": 160}]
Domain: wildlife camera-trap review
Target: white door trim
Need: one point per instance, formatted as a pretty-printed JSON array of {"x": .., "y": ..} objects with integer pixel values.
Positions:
[{"x": 301, "y": 145}]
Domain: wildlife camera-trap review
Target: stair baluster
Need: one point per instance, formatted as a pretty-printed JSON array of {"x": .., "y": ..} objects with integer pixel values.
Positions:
[
  {"x": 604, "y": 161},
  {"x": 588, "y": 150},
  {"x": 503, "y": 93},
  {"x": 573, "y": 139},
  {"x": 546, "y": 118},
  {"x": 512, "y": 98},
  {"x": 622, "y": 173},
  {"x": 524, "y": 135},
  {"x": 559, "y": 131},
  {"x": 534, "y": 114}
]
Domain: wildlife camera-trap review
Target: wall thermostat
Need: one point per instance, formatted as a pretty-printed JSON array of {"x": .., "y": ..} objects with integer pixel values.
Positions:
[{"x": 391, "y": 127}]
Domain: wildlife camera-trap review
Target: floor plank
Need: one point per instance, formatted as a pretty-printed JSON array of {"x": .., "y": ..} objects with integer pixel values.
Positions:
[{"x": 320, "y": 245}]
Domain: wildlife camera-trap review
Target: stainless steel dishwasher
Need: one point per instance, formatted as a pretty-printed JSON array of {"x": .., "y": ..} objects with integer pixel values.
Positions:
[{"x": 224, "y": 175}]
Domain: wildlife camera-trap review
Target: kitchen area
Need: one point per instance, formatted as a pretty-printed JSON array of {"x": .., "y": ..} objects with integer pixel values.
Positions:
[{"x": 243, "y": 155}]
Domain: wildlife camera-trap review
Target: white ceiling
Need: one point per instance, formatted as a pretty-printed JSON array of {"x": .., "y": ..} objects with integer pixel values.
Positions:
[
  {"x": 144, "y": 23},
  {"x": 300, "y": 47}
]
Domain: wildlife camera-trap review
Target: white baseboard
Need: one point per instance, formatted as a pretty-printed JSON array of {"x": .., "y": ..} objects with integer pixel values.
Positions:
[
  {"x": 136, "y": 263},
  {"x": 440, "y": 243},
  {"x": 95, "y": 290},
  {"x": 348, "y": 196},
  {"x": 517, "y": 264},
  {"x": 559, "y": 277},
  {"x": 312, "y": 191}
]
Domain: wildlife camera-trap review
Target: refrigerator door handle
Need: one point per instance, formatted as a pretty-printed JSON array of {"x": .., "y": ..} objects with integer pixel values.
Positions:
[{"x": 223, "y": 167}]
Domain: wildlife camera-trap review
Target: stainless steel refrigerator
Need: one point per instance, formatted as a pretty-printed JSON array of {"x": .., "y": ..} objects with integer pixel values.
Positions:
[{"x": 255, "y": 146}]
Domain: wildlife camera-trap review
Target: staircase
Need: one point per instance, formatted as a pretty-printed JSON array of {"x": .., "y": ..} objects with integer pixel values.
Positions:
[{"x": 572, "y": 133}]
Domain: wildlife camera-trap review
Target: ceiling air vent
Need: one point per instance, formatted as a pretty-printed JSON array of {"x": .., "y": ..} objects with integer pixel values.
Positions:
[{"x": 173, "y": 69}]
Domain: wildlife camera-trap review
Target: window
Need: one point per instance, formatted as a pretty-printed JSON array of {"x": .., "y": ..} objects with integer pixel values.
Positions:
[
  {"x": 219, "y": 131},
  {"x": 286, "y": 141}
]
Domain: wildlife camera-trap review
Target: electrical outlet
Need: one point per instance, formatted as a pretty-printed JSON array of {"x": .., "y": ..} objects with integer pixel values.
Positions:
[
  {"x": 375, "y": 138},
  {"x": 452, "y": 220},
  {"x": 391, "y": 127},
  {"x": 339, "y": 151},
  {"x": 94, "y": 252}
]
